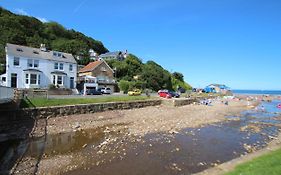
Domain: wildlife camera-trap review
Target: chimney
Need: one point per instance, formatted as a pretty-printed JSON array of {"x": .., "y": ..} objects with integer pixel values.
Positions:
[
  {"x": 126, "y": 53},
  {"x": 43, "y": 47}
]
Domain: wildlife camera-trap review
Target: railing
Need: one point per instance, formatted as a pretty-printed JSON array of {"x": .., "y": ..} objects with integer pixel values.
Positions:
[
  {"x": 6, "y": 93},
  {"x": 106, "y": 81}
]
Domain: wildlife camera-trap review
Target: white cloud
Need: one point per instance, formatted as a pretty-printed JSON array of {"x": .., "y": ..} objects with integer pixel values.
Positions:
[
  {"x": 21, "y": 12},
  {"x": 44, "y": 20}
]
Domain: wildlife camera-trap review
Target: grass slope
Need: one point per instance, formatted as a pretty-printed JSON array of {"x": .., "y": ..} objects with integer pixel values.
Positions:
[
  {"x": 43, "y": 102},
  {"x": 268, "y": 164}
]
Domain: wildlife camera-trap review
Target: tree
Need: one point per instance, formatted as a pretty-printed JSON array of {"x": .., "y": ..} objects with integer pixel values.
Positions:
[
  {"x": 29, "y": 31},
  {"x": 156, "y": 77},
  {"x": 178, "y": 76}
]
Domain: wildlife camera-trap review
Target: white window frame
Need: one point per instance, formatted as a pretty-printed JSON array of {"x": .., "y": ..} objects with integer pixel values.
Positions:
[
  {"x": 60, "y": 82},
  {"x": 58, "y": 66},
  {"x": 31, "y": 63},
  {"x": 14, "y": 60},
  {"x": 71, "y": 67},
  {"x": 56, "y": 80},
  {"x": 35, "y": 62},
  {"x": 61, "y": 66},
  {"x": 57, "y": 54},
  {"x": 28, "y": 79},
  {"x": 33, "y": 80}
]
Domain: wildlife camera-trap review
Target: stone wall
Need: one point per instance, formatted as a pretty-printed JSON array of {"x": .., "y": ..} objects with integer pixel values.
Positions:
[
  {"x": 188, "y": 101},
  {"x": 57, "y": 111},
  {"x": 183, "y": 102}
]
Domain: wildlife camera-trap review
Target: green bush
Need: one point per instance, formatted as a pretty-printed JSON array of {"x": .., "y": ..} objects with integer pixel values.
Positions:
[
  {"x": 52, "y": 86},
  {"x": 124, "y": 86}
]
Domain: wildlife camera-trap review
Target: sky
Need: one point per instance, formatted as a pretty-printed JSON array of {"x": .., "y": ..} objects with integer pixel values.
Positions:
[{"x": 232, "y": 42}]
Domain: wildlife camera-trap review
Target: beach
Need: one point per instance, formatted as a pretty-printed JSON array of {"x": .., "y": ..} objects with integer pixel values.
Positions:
[
  {"x": 151, "y": 119},
  {"x": 89, "y": 143}
]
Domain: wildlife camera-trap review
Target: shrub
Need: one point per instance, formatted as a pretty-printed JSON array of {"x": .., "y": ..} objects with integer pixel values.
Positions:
[{"x": 52, "y": 86}]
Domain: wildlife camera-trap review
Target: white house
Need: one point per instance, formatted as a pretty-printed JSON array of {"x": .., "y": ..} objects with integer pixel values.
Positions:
[{"x": 28, "y": 67}]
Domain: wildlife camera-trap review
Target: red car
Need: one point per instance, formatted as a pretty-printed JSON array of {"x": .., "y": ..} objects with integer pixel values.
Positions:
[{"x": 164, "y": 94}]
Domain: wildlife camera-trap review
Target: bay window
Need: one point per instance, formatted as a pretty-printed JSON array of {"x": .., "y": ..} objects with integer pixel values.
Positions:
[
  {"x": 32, "y": 79},
  {"x": 58, "y": 80}
]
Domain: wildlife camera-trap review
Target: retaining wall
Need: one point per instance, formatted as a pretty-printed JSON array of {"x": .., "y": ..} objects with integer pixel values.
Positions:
[
  {"x": 183, "y": 102},
  {"x": 57, "y": 111},
  {"x": 188, "y": 101}
]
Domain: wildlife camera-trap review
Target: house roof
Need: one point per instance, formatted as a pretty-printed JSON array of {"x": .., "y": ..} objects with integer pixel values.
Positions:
[
  {"x": 36, "y": 53},
  {"x": 111, "y": 54},
  {"x": 92, "y": 65}
]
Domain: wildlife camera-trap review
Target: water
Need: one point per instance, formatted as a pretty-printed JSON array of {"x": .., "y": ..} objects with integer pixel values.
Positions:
[
  {"x": 257, "y": 92},
  {"x": 113, "y": 150}
]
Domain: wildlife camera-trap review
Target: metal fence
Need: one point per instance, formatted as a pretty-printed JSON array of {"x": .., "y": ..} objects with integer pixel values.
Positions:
[{"x": 6, "y": 93}]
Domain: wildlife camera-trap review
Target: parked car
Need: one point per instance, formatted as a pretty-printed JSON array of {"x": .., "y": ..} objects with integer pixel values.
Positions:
[
  {"x": 174, "y": 94},
  {"x": 106, "y": 90},
  {"x": 94, "y": 92},
  {"x": 181, "y": 90},
  {"x": 164, "y": 94},
  {"x": 134, "y": 92}
]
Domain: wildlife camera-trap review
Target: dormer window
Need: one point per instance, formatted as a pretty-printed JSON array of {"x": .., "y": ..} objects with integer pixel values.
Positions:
[
  {"x": 19, "y": 50},
  {"x": 57, "y": 54}
]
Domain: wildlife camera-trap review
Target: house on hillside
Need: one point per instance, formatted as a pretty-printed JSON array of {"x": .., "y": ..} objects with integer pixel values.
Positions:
[
  {"x": 95, "y": 75},
  {"x": 114, "y": 55},
  {"x": 28, "y": 67},
  {"x": 93, "y": 55}
]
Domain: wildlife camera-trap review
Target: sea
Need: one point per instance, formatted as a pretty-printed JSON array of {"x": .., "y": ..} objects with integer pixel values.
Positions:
[{"x": 257, "y": 92}]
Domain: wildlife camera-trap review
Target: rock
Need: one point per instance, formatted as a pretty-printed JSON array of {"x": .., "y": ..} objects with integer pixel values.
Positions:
[{"x": 76, "y": 126}]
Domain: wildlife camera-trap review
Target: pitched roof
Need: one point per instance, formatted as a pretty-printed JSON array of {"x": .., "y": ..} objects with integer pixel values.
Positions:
[
  {"x": 111, "y": 54},
  {"x": 91, "y": 66},
  {"x": 29, "y": 52}
]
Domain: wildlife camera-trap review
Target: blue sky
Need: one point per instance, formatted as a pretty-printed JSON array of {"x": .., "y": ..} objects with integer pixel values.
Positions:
[{"x": 234, "y": 42}]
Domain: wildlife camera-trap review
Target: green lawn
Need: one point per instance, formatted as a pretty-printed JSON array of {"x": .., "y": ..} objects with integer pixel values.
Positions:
[
  {"x": 268, "y": 164},
  {"x": 43, "y": 102}
]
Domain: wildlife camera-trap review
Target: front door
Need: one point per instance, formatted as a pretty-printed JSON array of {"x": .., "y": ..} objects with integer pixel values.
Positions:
[
  {"x": 14, "y": 80},
  {"x": 71, "y": 82}
]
